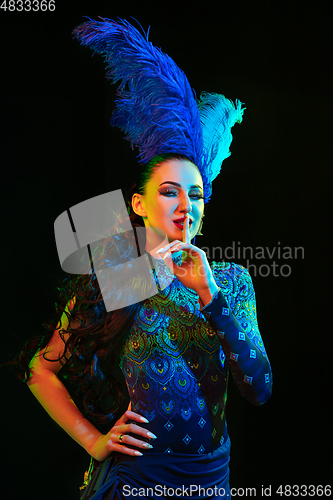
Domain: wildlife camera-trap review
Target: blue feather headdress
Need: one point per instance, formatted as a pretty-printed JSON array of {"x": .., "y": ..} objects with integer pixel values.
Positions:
[{"x": 155, "y": 106}]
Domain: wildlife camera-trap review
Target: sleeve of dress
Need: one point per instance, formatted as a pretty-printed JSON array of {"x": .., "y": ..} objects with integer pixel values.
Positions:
[{"x": 237, "y": 329}]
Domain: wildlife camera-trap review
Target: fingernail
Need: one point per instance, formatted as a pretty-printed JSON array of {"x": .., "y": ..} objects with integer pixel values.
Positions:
[
  {"x": 138, "y": 453},
  {"x": 151, "y": 435},
  {"x": 143, "y": 419},
  {"x": 160, "y": 250},
  {"x": 147, "y": 445}
]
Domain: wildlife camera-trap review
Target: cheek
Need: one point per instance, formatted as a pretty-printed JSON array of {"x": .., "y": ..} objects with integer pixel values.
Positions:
[{"x": 163, "y": 206}]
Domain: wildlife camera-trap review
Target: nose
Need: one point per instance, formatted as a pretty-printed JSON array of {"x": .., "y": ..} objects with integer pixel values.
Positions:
[{"x": 185, "y": 205}]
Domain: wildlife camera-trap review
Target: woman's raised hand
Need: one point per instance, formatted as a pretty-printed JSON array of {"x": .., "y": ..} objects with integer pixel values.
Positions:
[
  {"x": 118, "y": 437},
  {"x": 194, "y": 271}
]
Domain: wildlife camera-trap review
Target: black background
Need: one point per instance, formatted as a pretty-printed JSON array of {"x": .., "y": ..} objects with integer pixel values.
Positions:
[{"x": 57, "y": 149}]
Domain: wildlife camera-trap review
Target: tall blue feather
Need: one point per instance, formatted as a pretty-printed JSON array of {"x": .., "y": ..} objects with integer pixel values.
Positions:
[
  {"x": 155, "y": 105},
  {"x": 218, "y": 115}
]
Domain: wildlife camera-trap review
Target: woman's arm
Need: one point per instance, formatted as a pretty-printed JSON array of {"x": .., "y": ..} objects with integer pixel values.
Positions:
[
  {"x": 239, "y": 335},
  {"x": 52, "y": 394},
  {"x": 56, "y": 400}
]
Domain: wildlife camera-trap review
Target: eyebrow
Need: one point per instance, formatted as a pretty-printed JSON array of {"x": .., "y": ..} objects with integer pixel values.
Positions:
[{"x": 178, "y": 185}]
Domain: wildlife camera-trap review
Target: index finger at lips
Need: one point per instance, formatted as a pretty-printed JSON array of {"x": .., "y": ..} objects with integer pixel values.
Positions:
[{"x": 186, "y": 230}]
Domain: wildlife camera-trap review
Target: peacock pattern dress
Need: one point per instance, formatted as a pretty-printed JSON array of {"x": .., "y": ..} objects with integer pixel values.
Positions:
[{"x": 175, "y": 360}]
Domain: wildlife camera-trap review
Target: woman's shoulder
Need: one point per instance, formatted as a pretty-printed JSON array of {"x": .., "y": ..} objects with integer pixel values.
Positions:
[
  {"x": 227, "y": 267},
  {"x": 230, "y": 272}
]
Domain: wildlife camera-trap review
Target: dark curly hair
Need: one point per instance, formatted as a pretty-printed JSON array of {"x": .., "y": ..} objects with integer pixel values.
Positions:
[{"x": 93, "y": 348}]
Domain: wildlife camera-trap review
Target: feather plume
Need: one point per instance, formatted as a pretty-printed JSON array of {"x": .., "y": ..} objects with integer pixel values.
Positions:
[
  {"x": 218, "y": 115},
  {"x": 155, "y": 106}
]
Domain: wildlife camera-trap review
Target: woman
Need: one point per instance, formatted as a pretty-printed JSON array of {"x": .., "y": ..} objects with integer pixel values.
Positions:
[{"x": 173, "y": 349}]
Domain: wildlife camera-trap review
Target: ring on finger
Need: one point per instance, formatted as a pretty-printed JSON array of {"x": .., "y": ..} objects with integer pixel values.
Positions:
[{"x": 121, "y": 437}]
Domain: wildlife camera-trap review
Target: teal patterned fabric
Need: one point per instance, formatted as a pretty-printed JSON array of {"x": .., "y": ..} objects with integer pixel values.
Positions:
[{"x": 176, "y": 359}]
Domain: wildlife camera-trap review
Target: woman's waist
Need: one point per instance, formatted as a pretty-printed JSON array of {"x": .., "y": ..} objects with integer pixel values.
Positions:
[{"x": 198, "y": 434}]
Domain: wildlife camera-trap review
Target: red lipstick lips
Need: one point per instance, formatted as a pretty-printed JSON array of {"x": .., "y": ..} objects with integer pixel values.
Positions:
[{"x": 180, "y": 222}]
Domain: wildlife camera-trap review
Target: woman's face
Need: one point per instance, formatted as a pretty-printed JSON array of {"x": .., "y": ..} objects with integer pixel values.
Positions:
[{"x": 174, "y": 189}]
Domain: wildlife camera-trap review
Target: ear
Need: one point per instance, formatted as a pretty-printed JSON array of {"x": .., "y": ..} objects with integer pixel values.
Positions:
[{"x": 138, "y": 205}]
